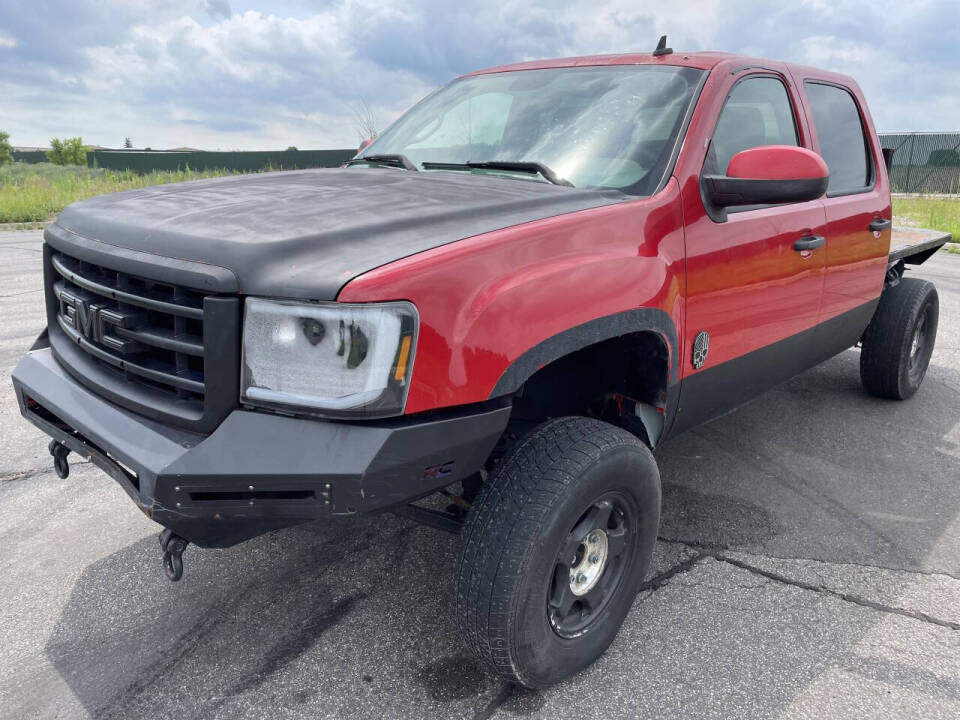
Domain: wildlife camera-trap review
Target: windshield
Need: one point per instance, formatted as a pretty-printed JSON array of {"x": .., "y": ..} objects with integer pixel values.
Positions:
[{"x": 611, "y": 127}]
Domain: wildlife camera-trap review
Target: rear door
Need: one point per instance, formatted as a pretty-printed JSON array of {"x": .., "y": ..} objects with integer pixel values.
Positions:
[
  {"x": 754, "y": 296},
  {"x": 857, "y": 207}
]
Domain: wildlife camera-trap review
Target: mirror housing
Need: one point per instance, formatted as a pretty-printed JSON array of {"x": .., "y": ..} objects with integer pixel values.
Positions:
[{"x": 768, "y": 175}]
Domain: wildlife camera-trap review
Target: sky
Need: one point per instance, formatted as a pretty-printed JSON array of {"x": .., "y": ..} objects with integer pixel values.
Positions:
[{"x": 244, "y": 75}]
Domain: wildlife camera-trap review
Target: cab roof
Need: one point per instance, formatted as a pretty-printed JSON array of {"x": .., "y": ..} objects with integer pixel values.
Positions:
[{"x": 700, "y": 60}]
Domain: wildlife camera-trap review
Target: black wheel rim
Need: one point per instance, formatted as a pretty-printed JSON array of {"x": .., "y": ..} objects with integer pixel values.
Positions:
[
  {"x": 590, "y": 565},
  {"x": 919, "y": 344}
]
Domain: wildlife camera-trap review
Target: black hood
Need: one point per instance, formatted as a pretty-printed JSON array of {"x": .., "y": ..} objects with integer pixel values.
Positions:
[{"x": 306, "y": 233}]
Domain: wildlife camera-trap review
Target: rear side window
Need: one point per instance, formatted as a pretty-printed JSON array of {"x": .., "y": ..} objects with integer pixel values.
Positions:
[
  {"x": 843, "y": 143},
  {"x": 757, "y": 112}
]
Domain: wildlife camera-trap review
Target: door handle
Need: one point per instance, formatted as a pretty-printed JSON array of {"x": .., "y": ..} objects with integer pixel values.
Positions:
[
  {"x": 879, "y": 224},
  {"x": 810, "y": 242}
]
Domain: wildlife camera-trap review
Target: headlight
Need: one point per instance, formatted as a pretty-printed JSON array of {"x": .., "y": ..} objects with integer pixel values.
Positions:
[{"x": 331, "y": 359}]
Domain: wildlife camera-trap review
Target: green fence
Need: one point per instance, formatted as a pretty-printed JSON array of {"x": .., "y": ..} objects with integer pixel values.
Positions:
[
  {"x": 30, "y": 156},
  {"x": 144, "y": 161},
  {"x": 924, "y": 162}
]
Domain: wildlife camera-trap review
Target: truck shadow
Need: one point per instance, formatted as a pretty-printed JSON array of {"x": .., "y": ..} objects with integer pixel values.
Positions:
[
  {"x": 352, "y": 618},
  {"x": 309, "y": 619}
]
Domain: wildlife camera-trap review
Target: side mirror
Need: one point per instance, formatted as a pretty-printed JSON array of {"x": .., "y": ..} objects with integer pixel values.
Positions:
[
  {"x": 768, "y": 175},
  {"x": 364, "y": 144}
]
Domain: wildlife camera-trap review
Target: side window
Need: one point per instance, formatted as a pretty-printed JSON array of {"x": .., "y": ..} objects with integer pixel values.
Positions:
[
  {"x": 757, "y": 112},
  {"x": 843, "y": 143}
]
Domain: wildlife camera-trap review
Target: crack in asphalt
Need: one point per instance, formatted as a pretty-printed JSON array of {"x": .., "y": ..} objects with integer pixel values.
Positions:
[
  {"x": 712, "y": 548},
  {"x": 683, "y": 566},
  {"x": 28, "y": 474},
  {"x": 704, "y": 551},
  {"x": 847, "y": 597},
  {"x": 23, "y": 475}
]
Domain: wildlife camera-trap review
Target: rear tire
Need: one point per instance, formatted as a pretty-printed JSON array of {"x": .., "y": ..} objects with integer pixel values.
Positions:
[
  {"x": 899, "y": 341},
  {"x": 555, "y": 548}
]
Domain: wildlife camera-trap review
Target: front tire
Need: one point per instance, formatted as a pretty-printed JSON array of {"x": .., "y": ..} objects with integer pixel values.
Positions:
[
  {"x": 555, "y": 548},
  {"x": 899, "y": 341}
]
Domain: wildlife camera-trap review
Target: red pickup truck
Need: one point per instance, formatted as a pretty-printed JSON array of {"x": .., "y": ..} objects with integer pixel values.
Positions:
[{"x": 528, "y": 283}]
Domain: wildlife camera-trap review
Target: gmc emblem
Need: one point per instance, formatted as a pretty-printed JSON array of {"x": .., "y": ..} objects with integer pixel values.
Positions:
[
  {"x": 94, "y": 322},
  {"x": 79, "y": 313}
]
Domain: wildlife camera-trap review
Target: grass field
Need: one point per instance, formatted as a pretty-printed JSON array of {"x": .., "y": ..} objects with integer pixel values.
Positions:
[
  {"x": 37, "y": 192},
  {"x": 934, "y": 212}
]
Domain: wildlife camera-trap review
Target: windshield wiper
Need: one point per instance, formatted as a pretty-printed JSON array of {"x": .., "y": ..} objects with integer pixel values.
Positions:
[
  {"x": 522, "y": 166},
  {"x": 509, "y": 165},
  {"x": 393, "y": 159}
]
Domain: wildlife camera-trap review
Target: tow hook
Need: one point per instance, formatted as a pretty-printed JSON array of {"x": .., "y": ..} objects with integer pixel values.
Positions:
[
  {"x": 60, "y": 464},
  {"x": 173, "y": 546}
]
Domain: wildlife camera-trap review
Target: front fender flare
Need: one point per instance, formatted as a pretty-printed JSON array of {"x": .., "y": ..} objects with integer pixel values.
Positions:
[{"x": 589, "y": 333}]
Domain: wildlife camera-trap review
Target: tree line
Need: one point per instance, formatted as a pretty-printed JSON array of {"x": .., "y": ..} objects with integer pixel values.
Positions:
[{"x": 68, "y": 151}]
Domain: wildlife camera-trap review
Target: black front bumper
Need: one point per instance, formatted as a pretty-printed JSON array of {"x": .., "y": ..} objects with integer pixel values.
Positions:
[{"x": 256, "y": 471}]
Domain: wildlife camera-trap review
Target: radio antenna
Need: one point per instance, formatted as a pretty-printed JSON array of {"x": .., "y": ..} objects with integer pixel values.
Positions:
[{"x": 662, "y": 48}]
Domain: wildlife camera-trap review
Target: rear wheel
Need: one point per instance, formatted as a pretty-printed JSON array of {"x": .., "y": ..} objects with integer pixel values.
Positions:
[
  {"x": 899, "y": 340},
  {"x": 555, "y": 548}
]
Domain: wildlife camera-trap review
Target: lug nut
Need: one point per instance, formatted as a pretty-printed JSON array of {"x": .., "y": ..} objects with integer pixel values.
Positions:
[
  {"x": 594, "y": 559},
  {"x": 581, "y": 579}
]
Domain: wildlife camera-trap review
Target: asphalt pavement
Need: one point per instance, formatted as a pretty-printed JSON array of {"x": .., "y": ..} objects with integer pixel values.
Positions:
[{"x": 809, "y": 566}]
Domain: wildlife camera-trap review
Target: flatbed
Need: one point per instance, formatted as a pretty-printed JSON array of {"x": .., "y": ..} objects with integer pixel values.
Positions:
[{"x": 915, "y": 245}]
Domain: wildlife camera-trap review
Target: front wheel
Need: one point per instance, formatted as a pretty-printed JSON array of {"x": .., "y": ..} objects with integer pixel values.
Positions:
[
  {"x": 555, "y": 548},
  {"x": 899, "y": 341}
]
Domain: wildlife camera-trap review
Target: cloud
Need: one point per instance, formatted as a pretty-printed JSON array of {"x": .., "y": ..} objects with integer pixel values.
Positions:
[
  {"x": 218, "y": 74},
  {"x": 218, "y": 8}
]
